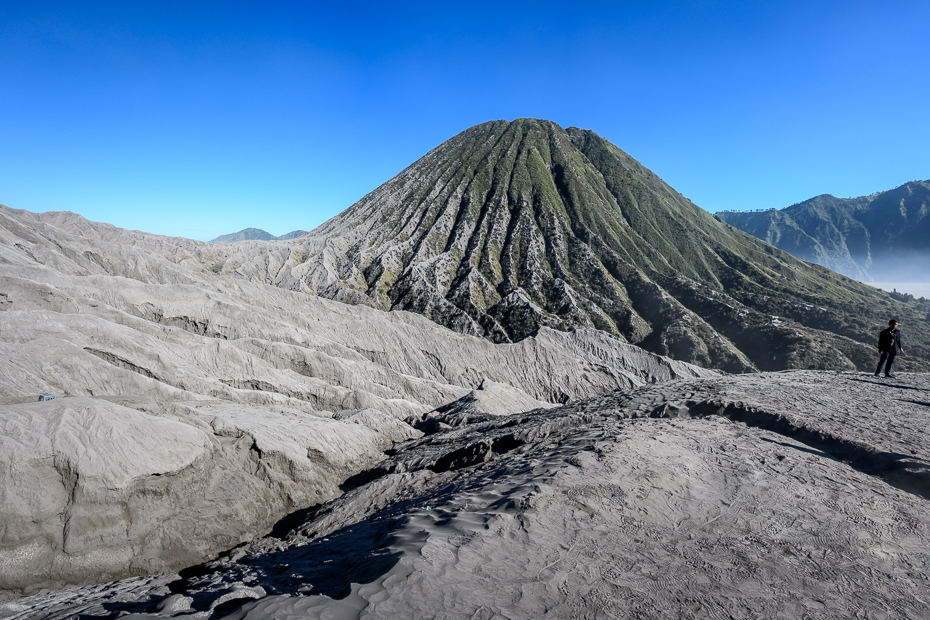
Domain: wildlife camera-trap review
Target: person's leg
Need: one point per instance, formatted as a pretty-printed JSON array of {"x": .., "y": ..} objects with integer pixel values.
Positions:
[
  {"x": 881, "y": 360},
  {"x": 888, "y": 364}
]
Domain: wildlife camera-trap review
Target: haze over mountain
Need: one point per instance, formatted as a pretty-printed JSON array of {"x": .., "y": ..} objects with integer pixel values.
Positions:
[
  {"x": 257, "y": 234},
  {"x": 884, "y": 237}
]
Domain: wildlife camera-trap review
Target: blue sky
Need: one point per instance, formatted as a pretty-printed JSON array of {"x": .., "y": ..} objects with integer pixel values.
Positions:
[{"x": 197, "y": 119}]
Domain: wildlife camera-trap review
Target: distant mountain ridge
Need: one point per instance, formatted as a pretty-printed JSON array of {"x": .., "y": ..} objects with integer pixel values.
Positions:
[
  {"x": 875, "y": 237},
  {"x": 257, "y": 234}
]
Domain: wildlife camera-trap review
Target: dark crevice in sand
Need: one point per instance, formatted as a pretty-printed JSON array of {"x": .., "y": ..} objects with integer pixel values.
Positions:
[
  {"x": 252, "y": 384},
  {"x": 800, "y": 449},
  {"x": 481, "y": 442},
  {"x": 443, "y": 453},
  {"x": 256, "y": 385},
  {"x": 903, "y": 471},
  {"x": 200, "y": 327},
  {"x": 356, "y": 554},
  {"x": 360, "y": 479},
  {"x": 889, "y": 383},
  {"x": 291, "y": 522},
  {"x": 119, "y": 362}
]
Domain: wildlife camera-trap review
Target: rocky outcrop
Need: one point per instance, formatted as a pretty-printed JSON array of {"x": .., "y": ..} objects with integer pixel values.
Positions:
[{"x": 488, "y": 401}]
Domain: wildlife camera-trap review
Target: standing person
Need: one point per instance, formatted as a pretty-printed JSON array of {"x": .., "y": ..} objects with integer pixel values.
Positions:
[{"x": 889, "y": 343}]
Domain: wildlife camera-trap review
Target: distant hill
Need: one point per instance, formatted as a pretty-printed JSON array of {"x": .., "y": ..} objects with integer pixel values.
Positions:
[
  {"x": 294, "y": 234},
  {"x": 885, "y": 236},
  {"x": 257, "y": 234}
]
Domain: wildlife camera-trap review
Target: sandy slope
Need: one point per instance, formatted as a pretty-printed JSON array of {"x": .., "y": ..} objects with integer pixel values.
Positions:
[
  {"x": 196, "y": 410},
  {"x": 785, "y": 495}
]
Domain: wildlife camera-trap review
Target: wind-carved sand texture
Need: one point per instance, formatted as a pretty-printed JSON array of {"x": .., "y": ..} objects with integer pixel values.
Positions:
[
  {"x": 785, "y": 495},
  {"x": 194, "y": 411}
]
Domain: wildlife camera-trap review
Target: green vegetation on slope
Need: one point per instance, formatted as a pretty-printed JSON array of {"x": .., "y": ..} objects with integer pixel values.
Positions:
[{"x": 513, "y": 226}]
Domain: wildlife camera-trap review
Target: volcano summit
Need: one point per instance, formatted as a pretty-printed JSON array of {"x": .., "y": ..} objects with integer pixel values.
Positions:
[{"x": 511, "y": 226}]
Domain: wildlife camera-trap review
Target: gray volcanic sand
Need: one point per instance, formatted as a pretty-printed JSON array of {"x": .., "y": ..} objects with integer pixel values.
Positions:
[
  {"x": 195, "y": 410},
  {"x": 783, "y": 495},
  {"x": 199, "y": 403}
]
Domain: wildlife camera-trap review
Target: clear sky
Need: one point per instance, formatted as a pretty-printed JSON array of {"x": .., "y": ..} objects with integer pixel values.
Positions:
[{"x": 196, "y": 119}]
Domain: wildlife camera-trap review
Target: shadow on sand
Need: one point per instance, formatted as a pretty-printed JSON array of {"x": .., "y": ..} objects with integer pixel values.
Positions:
[
  {"x": 329, "y": 566},
  {"x": 888, "y": 383}
]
